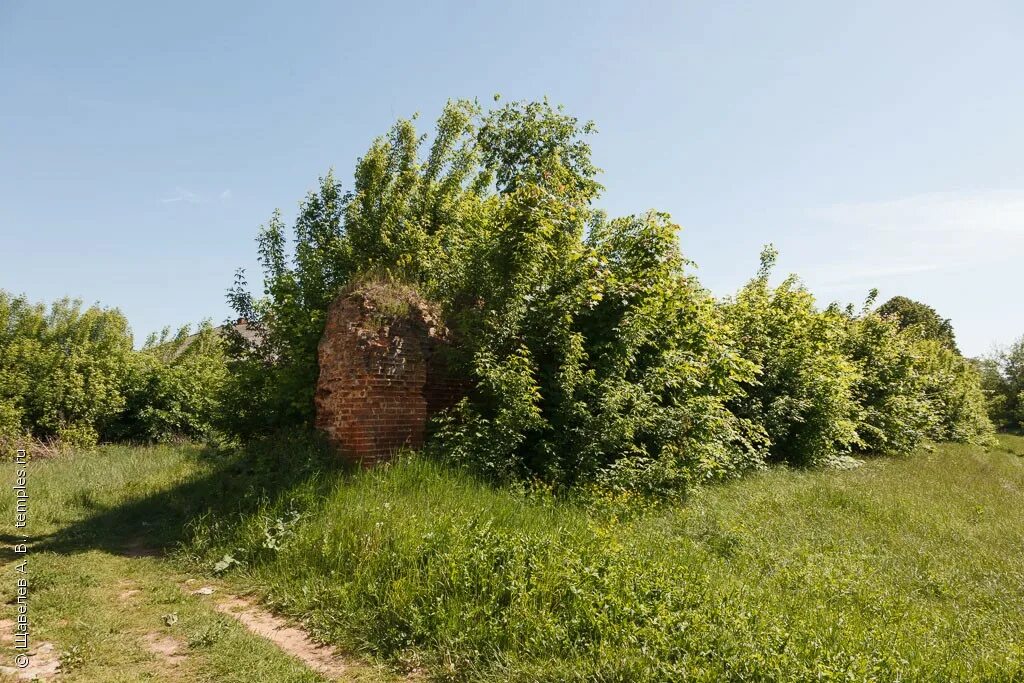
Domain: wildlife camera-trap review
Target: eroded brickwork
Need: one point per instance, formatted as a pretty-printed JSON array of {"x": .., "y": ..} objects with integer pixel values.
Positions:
[{"x": 383, "y": 372}]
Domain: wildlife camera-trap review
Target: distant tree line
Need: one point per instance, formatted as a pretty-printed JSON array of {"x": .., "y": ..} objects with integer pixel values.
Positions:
[
  {"x": 69, "y": 374},
  {"x": 1002, "y": 378}
]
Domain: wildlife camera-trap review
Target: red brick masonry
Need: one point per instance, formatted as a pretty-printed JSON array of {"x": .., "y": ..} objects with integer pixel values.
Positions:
[{"x": 382, "y": 372}]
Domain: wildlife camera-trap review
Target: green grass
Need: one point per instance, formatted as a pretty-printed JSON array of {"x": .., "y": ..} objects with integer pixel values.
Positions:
[
  {"x": 901, "y": 569},
  {"x": 98, "y": 605}
]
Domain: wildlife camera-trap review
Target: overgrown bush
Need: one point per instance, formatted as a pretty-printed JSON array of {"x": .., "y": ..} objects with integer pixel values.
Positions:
[
  {"x": 803, "y": 395},
  {"x": 894, "y": 414},
  {"x": 590, "y": 349},
  {"x": 173, "y": 388},
  {"x": 593, "y": 354},
  {"x": 61, "y": 368},
  {"x": 69, "y": 374}
]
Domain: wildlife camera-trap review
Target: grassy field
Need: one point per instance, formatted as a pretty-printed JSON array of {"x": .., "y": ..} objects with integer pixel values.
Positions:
[
  {"x": 112, "y": 608},
  {"x": 900, "y": 569}
]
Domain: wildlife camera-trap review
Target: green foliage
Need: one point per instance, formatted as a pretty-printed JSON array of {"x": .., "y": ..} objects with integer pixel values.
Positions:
[
  {"x": 594, "y": 355},
  {"x": 583, "y": 351},
  {"x": 1002, "y": 378},
  {"x": 61, "y": 369},
  {"x": 803, "y": 396},
  {"x": 273, "y": 375},
  {"x": 389, "y": 226},
  {"x": 894, "y": 411},
  {"x": 70, "y": 374},
  {"x": 929, "y": 324},
  {"x": 953, "y": 389},
  {"x": 173, "y": 388}
]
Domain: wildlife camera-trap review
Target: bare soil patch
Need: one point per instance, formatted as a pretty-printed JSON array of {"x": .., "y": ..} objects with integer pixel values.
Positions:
[
  {"x": 291, "y": 639},
  {"x": 165, "y": 647},
  {"x": 44, "y": 660}
]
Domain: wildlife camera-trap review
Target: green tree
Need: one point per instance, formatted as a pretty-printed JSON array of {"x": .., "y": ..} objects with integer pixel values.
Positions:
[
  {"x": 1002, "y": 375},
  {"x": 173, "y": 388},
  {"x": 895, "y": 415},
  {"x": 930, "y": 325},
  {"x": 583, "y": 351}
]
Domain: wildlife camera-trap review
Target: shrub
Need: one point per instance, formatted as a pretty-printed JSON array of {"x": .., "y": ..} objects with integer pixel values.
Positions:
[
  {"x": 173, "y": 388},
  {"x": 70, "y": 374},
  {"x": 61, "y": 368},
  {"x": 594, "y": 355},
  {"x": 894, "y": 412},
  {"x": 583, "y": 352},
  {"x": 952, "y": 388},
  {"x": 1002, "y": 376},
  {"x": 803, "y": 396}
]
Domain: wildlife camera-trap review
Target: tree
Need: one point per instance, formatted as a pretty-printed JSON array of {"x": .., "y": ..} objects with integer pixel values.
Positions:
[
  {"x": 1002, "y": 374},
  {"x": 583, "y": 352},
  {"x": 803, "y": 396},
  {"x": 909, "y": 313},
  {"x": 173, "y": 388},
  {"x": 593, "y": 354}
]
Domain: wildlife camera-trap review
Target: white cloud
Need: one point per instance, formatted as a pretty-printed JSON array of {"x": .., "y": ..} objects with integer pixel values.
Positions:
[
  {"x": 180, "y": 194},
  {"x": 926, "y": 232},
  {"x": 853, "y": 274},
  {"x": 225, "y": 195}
]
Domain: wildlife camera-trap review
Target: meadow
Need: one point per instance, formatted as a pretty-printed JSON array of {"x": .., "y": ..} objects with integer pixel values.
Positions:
[{"x": 906, "y": 568}]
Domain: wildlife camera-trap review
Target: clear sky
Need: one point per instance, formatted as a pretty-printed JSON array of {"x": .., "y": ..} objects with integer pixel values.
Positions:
[{"x": 877, "y": 144}]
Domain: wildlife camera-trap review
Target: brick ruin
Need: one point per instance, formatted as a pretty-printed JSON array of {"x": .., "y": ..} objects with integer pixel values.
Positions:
[{"x": 383, "y": 372}]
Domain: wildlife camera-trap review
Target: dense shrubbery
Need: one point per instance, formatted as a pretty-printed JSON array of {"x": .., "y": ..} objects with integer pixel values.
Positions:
[
  {"x": 174, "y": 388},
  {"x": 69, "y": 374},
  {"x": 61, "y": 369},
  {"x": 803, "y": 394},
  {"x": 595, "y": 355}
]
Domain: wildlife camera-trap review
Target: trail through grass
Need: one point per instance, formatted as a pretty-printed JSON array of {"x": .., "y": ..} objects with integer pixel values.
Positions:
[{"x": 104, "y": 605}]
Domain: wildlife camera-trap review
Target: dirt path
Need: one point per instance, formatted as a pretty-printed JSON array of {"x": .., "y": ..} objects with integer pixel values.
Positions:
[
  {"x": 99, "y": 617},
  {"x": 287, "y": 636}
]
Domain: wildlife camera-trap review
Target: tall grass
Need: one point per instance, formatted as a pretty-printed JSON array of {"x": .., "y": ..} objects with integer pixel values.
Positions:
[{"x": 908, "y": 569}]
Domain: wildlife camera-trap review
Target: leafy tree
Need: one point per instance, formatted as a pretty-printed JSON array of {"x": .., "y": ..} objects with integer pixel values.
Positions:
[
  {"x": 593, "y": 354},
  {"x": 930, "y": 325},
  {"x": 1002, "y": 377},
  {"x": 953, "y": 389},
  {"x": 1013, "y": 369},
  {"x": 69, "y": 373},
  {"x": 895, "y": 415},
  {"x": 584, "y": 352},
  {"x": 389, "y": 226}
]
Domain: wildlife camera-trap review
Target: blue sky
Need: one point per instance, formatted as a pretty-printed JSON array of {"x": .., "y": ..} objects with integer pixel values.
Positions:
[{"x": 877, "y": 144}]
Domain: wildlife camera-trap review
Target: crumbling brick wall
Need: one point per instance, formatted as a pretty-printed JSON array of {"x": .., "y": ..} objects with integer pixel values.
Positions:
[{"x": 383, "y": 372}]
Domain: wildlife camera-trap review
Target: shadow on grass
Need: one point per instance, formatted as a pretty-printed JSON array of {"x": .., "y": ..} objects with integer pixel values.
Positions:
[{"x": 238, "y": 482}]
